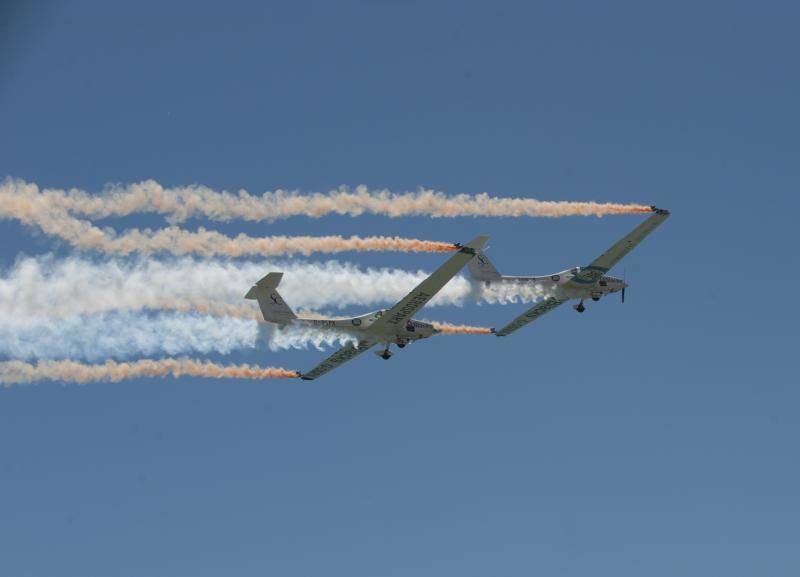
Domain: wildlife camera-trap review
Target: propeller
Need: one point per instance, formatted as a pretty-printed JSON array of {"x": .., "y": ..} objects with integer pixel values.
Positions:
[{"x": 624, "y": 275}]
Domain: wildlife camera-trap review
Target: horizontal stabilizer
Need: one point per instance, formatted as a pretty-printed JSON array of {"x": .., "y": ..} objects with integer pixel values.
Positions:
[{"x": 269, "y": 282}]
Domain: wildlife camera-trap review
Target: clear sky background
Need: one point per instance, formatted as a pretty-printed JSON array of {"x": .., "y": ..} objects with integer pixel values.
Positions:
[{"x": 655, "y": 438}]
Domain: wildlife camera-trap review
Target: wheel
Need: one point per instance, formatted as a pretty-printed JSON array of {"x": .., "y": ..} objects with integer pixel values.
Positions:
[
  {"x": 386, "y": 357},
  {"x": 595, "y": 299},
  {"x": 580, "y": 308}
]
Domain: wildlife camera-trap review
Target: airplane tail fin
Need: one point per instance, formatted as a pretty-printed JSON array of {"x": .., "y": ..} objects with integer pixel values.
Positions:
[
  {"x": 482, "y": 269},
  {"x": 273, "y": 307}
]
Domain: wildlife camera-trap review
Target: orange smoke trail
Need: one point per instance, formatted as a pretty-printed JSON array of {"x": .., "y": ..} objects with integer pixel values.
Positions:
[
  {"x": 249, "y": 312},
  {"x": 451, "y": 329},
  {"x": 243, "y": 311},
  {"x": 246, "y": 311},
  {"x": 181, "y": 203},
  {"x": 82, "y": 234},
  {"x": 211, "y": 243},
  {"x": 18, "y": 372}
]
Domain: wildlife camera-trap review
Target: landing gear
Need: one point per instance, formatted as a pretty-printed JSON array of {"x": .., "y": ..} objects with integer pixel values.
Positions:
[
  {"x": 400, "y": 345},
  {"x": 595, "y": 299},
  {"x": 579, "y": 307},
  {"x": 385, "y": 354}
]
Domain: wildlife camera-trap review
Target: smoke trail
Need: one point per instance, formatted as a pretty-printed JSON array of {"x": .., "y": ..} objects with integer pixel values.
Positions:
[
  {"x": 181, "y": 203},
  {"x": 83, "y": 235},
  {"x": 300, "y": 337},
  {"x": 123, "y": 335},
  {"x": 510, "y": 292},
  {"x": 18, "y": 372},
  {"x": 51, "y": 288},
  {"x": 84, "y": 310},
  {"x": 451, "y": 329}
]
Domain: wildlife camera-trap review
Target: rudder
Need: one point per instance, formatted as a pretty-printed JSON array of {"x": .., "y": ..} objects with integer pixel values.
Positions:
[
  {"x": 482, "y": 269},
  {"x": 272, "y": 305}
]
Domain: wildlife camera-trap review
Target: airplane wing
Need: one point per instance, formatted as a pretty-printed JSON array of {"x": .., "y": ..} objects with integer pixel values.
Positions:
[
  {"x": 402, "y": 311},
  {"x": 602, "y": 264},
  {"x": 417, "y": 298},
  {"x": 531, "y": 315},
  {"x": 347, "y": 352}
]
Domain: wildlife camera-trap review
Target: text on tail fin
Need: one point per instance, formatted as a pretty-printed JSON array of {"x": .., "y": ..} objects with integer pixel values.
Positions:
[
  {"x": 271, "y": 303},
  {"x": 481, "y": 268}
]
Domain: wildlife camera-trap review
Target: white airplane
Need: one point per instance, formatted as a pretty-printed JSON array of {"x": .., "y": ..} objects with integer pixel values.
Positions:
[
  {"x": 577, "y": 283},
  {"x": 385, "y": 326}
]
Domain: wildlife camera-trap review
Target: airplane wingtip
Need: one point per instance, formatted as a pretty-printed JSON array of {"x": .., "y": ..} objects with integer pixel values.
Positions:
[{"x": 477, "y": 243}]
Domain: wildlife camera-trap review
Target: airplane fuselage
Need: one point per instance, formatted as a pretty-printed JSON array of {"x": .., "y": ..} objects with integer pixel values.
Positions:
[
  {"x": 411, "y": 330},
  {"x": 580, "y": 283},
  {"x": 557, "y": 284}
]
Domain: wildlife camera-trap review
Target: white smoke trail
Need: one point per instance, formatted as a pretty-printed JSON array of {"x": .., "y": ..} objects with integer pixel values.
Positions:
[
  {"x": 124, "y": 335},
  {"x": 75, "y": 308},
  {"x": 511, "y": 292},
  {"x": 51, "y": 288},
  {"x": 300, "y": 337},
  {"x": 180, "y": 203},
  {"x": 18, "y": 372}
]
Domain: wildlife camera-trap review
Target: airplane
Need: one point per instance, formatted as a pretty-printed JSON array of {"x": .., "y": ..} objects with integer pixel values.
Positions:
[
  {"x": 577, "y": 283},
  {"x": 394, "y": 325}
]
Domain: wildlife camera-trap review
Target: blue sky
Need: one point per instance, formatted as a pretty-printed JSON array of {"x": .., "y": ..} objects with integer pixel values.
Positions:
[{"x": 657, "y": 437}]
